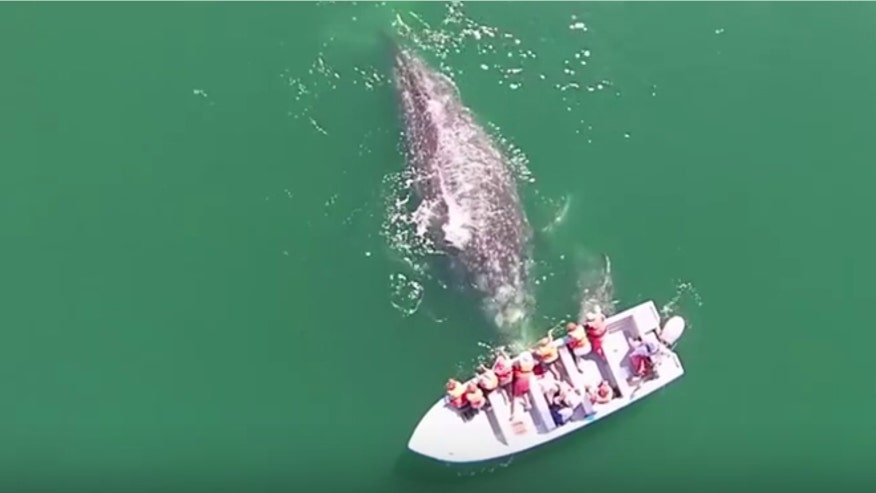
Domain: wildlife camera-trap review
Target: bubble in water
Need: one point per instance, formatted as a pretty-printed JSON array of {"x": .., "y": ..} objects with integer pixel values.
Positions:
[
  {"x": 458, "y": 31},
  {"x": 406, "y": 295},
  {"x": 399, "y": 227},
  {"x": 595, "y": 283}
]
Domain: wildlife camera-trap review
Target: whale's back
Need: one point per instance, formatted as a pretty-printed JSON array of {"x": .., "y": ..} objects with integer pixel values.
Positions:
[{"x": 467, "y": 191}]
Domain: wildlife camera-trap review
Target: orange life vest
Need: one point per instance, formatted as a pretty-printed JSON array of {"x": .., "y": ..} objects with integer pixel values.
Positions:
[
  {"x": 547, "y": 353},
  {"x": 523, "y": 371},
  {"x": 455, "y": 394},
  {"x": 577, "y": 337},
  {"x": 489, "y": 380},
  {"x": 476, "y": 398}
]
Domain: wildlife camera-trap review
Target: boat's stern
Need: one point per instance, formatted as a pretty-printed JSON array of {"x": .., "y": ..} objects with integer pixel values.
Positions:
[{"x": 672, "y": 330}]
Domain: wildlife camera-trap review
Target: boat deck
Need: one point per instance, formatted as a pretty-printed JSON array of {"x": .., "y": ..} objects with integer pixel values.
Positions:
[{"x": 445, "y": 434}]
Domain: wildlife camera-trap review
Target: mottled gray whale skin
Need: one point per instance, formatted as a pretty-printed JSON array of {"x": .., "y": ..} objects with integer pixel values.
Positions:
[{"x": 468, "y": 203}]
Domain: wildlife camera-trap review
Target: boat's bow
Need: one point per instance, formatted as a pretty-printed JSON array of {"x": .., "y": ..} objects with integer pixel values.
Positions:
[{"x": 443, "y": 435}]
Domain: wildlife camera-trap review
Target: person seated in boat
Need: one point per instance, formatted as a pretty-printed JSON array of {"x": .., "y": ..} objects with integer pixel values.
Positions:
[
  {"x": 568, "y": 395},
  {"x": 562, "y": 400},
  {"x": 549, "y": 386},
  {"x": 504, "y": 372},
  {"x": 574, "y": 397},
  {"x": 523, "y": 368},
  {"x": 487, "y": 379},
  {"x": 595, "y": 328},
  {"x": 549, "y": 356},
  {"x": 455, "y": 393},
  {"x": 560, "y": 411},
  {"x": 641, "y": 358},
  {"x": 603, "y": 393},
  {"x": 475, "y": 396},
  {"x": 576, "y": 340}
]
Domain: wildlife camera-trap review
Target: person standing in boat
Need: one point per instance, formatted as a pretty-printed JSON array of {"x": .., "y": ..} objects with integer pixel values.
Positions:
[
  {"x": 595, "y": 327},
  {"x": 475, "y": 396},
  {"x": 523, "y": 368},
  {"x": 576, "y": 340},
  {"x": 487, "y": 379},
  {"x": 455, "y": 393},
  {"x": 548, "y": 355},
  {"x": 641, "y": 358},
  {"x": 503, "y": 370}
]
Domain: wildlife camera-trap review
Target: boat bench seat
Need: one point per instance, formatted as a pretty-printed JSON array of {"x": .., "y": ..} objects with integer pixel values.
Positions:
[
  {"x": 502, "y": 414},
  {"x": 540, "y": 408}
]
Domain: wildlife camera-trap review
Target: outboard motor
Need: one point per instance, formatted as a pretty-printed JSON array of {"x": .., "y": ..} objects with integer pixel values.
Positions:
[{"x": 672, "y": 331}]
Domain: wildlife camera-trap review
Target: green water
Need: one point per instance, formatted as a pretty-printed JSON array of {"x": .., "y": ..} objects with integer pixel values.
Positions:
[{"x": 196, "y": 294}]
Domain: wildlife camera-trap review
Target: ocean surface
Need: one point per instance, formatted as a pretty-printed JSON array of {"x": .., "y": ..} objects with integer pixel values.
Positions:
[{"x": 206, "y": 285}]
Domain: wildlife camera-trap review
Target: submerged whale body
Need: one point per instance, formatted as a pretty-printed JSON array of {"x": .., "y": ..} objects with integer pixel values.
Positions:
[{"x": 468, "y": 201}]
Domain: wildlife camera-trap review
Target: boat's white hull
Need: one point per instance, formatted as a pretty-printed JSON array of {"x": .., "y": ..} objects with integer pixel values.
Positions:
[{"x": 443, "y": 435}]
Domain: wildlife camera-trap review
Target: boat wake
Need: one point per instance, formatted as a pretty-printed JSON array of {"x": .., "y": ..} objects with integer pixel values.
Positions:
[{"x": 685, "y": 300}]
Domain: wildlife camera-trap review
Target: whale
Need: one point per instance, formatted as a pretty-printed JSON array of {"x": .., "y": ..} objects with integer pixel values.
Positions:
[{"x": 466, "y": 200}]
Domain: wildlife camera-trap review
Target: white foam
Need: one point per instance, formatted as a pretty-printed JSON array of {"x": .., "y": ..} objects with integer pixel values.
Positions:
[
  {"x": 683, "y": 291},
  {"x": 457, "y": 231},
  {"x": 596, "y": 285}
]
